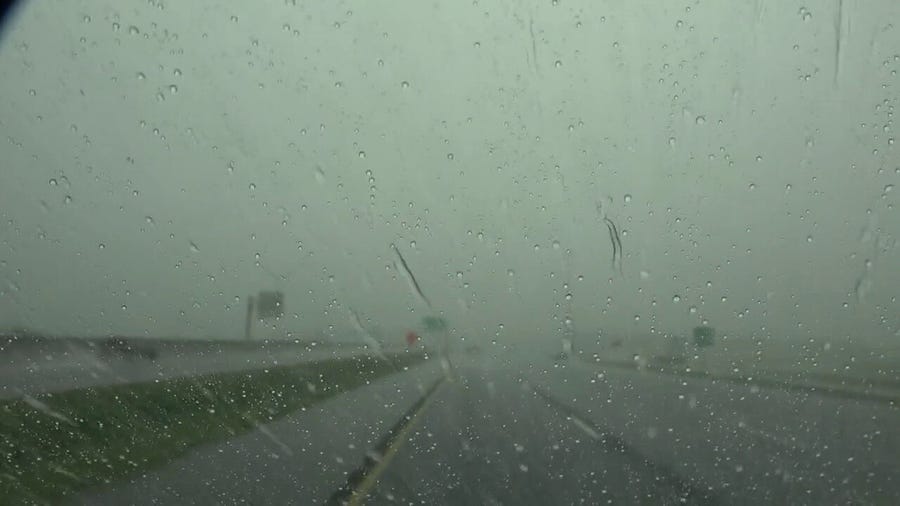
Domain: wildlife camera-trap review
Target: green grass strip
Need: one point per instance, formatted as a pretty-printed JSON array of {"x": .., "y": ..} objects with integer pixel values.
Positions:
[{"x": 61, "y": 443}]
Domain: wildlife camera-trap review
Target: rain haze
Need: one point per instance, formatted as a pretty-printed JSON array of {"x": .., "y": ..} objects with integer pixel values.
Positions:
[
  {"x": 163, "y": 163},
  {"x": 426, "y": 179}
]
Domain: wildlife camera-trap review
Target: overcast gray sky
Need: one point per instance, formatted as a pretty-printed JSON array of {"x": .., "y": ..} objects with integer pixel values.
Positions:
[{"x": 163, "y": 160}]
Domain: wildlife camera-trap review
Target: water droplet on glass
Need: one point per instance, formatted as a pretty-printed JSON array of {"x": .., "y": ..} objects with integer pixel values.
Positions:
[
  {"x": 362, "y": 154},
  {"x": 404, "y": 84},
  {"x": 555, "y": 244},
  {"x": 700, "y": 120},
  {"x": 141, "y": 76},
  {"x": 676, "y": 298},
  {"x": 557, "y": 64},
  {"x": 173, "y": 89},
  {"x": 809, "y": 238},
  {"x": 133, "y": 30},
  {"x": 627, "y": 198},
  {"x": 101, "y": 246},
  {"x": 52, "y": 182},
  {"x": 888, "y": 188},
  {"x": 176, "y": 72},
  {"x": 193, "y": 247}
]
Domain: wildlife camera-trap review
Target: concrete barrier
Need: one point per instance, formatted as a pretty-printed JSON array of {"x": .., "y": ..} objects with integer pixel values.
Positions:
[{"x": 35, "y": 365}]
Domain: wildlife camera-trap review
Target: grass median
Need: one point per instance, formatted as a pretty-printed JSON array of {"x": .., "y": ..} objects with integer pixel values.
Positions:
[{"x": 58, "y": 444}]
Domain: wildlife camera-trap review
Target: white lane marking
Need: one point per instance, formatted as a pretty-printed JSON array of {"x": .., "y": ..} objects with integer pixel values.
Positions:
[{"x": 587, "y": 429}]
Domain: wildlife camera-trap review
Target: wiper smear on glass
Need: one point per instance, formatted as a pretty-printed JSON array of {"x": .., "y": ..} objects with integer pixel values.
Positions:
[
  {"x": 616, "y": 241},
  {"x": 411, "y": 280},
  {"x": 612, "y": 240},
  {"x": 367, "y": 338},
  {"x": 838, "y": 46}
]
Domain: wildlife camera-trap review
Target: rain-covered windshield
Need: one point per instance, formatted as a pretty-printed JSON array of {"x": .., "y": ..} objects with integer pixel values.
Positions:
[{"x": 481, "y": 252}]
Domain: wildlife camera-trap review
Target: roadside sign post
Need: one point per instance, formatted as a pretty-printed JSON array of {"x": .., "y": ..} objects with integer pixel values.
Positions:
[
  {"x": 248, "y": 325},
  {"x": 266, "y": 305}
]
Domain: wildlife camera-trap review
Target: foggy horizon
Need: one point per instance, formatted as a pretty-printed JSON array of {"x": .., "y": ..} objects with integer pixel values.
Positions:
[{"x": 169, "y": 165}]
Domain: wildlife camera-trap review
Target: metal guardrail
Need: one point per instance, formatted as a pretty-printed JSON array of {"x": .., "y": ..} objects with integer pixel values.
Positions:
[{"x": 835, "y": 386}]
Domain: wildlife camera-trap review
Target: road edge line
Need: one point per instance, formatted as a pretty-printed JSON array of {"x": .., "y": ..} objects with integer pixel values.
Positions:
[{"x": 362, "y": 480}]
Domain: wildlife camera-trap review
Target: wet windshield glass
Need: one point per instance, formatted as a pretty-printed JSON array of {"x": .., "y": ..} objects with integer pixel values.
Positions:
[{"x": 486, "y": 252}]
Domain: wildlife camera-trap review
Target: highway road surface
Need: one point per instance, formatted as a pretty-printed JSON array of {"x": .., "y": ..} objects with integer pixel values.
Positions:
[{"x": 513, "y": 429}]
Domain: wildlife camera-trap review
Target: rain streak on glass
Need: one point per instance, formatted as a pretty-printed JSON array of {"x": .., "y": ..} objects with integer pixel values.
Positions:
[{"x": 549, "y": 252}]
